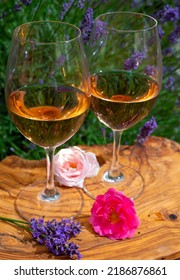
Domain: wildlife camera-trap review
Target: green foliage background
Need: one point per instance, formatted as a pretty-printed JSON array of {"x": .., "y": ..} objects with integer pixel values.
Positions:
[{"x": 166, "y": 110}]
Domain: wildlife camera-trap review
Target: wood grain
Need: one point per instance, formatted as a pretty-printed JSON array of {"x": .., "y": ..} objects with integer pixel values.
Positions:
[{"x": 158, "y": 206}]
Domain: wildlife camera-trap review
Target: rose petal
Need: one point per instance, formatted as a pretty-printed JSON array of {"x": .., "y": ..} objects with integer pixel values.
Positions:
[{"x": 93, "y": 164}]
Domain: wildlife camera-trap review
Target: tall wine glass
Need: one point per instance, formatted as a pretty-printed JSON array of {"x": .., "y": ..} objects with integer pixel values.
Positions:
[
  {"x": 126, "y": 68},
  {"x": 47, "y": 96}
]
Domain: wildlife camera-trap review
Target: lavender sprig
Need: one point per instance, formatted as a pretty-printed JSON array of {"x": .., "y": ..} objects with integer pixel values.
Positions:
[
  {"x": 87, "y": 25},
  {"x": 150, "y": 70},
  {"x": 170, "y": 83},
  {"x": 65, "y": 9},
  {"x": 26, "y": 2},
  {"x": 53, "y": 234},
  {"x": 175, "y": 35},
  {"x": 81, "y": 4},
  {"x": 146, "y": 130},
  {"x": 168, "y": 14},
  {"x": 134, "y": 61},
  {"x": 101, "y": 30}
]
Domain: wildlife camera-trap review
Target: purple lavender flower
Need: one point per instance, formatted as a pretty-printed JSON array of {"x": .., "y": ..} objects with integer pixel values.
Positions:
[
  {"x": 17, "y": 7},
  {"x": 168, "y": 14},
  {"x": 139, "y": 3},
  {"x": 65, "y": 8},
  {"x": 55, "y": 235},
  {"x": 39, "y": 231},
  {"x": 160, "y": 32},
  {"x": 58, "y": 248},
  {"x": 150, "y": 70},
  {"x": 100, "y": 30},
  {"x": 26, "y": 2},
  {"x": 134, "y": 61},
  {"x": 173, "y": 37},
  {"x": 167, "y": 51},
  {"x": 170, "y": 83},
  {"x": 70, "y": 227},
  {"x": 71, "y": 250},
  {"x": 81, "y": 4},
  {"x": 146, "y": 130},
  {"x": 134, "y": 3},
  {"x": 61, "y": 60},
  {"x": 86, "y": 25}
]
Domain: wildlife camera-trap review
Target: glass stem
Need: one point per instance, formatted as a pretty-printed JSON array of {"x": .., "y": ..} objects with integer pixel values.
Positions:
[
  {"x": 50, "y": 188},
  {"x": 114, "y": 170}
]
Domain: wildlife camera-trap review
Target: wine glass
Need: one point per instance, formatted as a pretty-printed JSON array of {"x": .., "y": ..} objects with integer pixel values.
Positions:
[
  {"x": 126, "y": 68},
  {"x": 47, "y": 96}
]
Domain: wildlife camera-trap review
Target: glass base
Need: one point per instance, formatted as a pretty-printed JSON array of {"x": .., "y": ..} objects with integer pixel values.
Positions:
[
  {"x": 48, "y": 196},
  {"x": 130, "y": 182},
  {"x": 33, "y": 203},
  {"x": 109, "y": 179}
]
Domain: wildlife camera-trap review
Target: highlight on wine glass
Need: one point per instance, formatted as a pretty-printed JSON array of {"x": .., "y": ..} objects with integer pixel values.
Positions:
[
  {"x": 48, "y": 97},
  {"x": 126, "y": 71}
]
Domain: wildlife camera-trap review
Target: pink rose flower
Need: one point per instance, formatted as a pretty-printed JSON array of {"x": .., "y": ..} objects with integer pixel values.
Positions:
[
  {"x": 72, "y": 165},
  {"x": 113, "y": 215}
]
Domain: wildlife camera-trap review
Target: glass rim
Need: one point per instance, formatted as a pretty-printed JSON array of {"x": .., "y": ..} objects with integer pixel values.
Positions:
[
  {"x": 78, "y": 36},
  {"x": 130, "y": 13}
]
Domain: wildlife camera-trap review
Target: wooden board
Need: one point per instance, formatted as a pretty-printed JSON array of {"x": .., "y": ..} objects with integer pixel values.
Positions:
[{"x": 158, "y": 206}]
